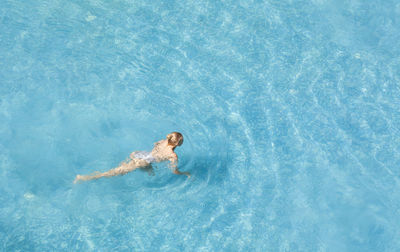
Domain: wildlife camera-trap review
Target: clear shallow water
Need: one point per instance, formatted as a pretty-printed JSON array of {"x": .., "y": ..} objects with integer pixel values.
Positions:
[{"x": 290, "y": 112}]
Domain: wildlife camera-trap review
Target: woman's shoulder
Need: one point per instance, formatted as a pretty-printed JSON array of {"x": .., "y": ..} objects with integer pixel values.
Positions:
[
  {"x": 159, "y": 142},
  {"x": 163, "y": 154}
]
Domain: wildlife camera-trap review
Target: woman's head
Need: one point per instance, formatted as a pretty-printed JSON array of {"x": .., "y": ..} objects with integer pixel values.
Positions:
[{"x": 175, "y": 139}]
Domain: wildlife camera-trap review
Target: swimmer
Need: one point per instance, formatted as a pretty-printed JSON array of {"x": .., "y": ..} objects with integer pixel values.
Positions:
[{"x": 163, "y": 151}]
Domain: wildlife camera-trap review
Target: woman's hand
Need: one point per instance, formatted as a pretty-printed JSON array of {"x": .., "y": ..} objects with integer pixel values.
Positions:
[
  {"x": 176, "y": 171},
  {"x": 187, "y": 174}
]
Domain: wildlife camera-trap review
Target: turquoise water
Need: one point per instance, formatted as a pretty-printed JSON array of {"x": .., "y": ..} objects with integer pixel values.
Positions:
[{"x": 289, "y": 109}]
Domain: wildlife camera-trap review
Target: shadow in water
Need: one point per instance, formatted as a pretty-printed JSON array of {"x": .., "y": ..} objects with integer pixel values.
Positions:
[{"x": 210, "y": 169}]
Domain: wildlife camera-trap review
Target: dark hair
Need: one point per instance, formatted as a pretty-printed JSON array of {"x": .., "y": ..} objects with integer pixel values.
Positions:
[{"x": 175, "y": 139}]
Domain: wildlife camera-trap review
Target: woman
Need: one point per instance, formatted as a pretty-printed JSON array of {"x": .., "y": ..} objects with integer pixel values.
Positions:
[{"x": 163, "y": 151}]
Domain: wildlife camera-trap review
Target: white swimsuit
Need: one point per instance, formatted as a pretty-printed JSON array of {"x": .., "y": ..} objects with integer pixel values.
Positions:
[{"x": 145, "y": 155}]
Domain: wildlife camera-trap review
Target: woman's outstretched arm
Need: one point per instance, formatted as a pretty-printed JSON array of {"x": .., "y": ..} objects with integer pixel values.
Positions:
[{"x": 174, "y": 166}]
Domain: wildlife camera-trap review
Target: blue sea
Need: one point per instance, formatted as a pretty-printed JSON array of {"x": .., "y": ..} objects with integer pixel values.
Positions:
[{"x": 290, "y": 112}]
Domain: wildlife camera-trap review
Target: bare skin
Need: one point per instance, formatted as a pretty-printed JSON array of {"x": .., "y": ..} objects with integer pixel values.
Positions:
[{"x": 162, "y": 151}]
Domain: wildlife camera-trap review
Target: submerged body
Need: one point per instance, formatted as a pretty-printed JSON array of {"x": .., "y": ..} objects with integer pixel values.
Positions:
[{"x": 163, "y": 151}]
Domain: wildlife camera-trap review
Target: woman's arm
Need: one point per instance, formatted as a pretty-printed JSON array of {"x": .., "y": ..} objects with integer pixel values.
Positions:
[{"x": 174, "y": 166}]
